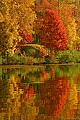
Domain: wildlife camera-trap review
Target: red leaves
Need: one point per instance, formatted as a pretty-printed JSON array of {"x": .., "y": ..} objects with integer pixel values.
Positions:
[
  {"x": 29, "y": 92},
  {"x": 52, "y": 32},
  {"x": 26, "y": 37}
]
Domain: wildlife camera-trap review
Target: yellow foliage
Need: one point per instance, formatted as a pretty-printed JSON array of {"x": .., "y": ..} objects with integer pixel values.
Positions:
[
  {"x": 17, "y": 15},
  {"x": 1, "y": 17},
  {"x": 69, "y": 23},
  {"x": 73, "y": 96},
  {"x": 18, "y": 105}
]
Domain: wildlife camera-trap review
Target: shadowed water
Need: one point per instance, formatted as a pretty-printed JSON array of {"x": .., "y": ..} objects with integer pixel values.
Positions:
[{"x": 40, "y": 93}]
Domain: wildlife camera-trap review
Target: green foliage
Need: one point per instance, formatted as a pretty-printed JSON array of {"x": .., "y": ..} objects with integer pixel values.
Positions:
[
  {"x": 32, "y": 56},
  {"x": 30, "y": 51},
  {"x": 67, "y": 56},
  {"x": 22, "y": 59}
]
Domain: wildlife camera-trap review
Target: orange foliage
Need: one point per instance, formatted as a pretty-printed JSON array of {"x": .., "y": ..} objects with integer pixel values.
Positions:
[
  {"x": 52, "y": 73},
  {"x": 52, "y": 32},
  {"x": 43, "y": 76},
  {"x": 67, "y": 16},
  {"x": 53, "y": 95},
  {"x": 43, "y": 52},
  {"x": 27, "y": 93}
]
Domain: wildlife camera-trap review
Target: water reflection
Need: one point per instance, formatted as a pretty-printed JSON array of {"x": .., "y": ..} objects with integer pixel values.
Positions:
[
  {"x": 40, "y": 93},
  {"x": 53, "y": 95}
]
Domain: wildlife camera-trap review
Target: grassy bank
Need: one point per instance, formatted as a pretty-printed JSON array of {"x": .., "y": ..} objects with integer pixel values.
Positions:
[{"x": 59, "y": 57}]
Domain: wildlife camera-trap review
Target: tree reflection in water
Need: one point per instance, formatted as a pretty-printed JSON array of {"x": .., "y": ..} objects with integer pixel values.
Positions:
[
  {"x": 21, "y": 100},
  {"x": 42, "y": 93},
  {"x": 52, "y": 97}
]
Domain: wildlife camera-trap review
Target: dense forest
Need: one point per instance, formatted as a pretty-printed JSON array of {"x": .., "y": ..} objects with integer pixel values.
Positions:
[{"x": 39, "y": 31}]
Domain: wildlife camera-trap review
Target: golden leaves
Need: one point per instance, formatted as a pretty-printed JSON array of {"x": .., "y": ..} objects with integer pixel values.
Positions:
[
  {"x": 1, "y": 17},
  {"x": 66, "y": 14},
  {"x": 17, "y": 15}
]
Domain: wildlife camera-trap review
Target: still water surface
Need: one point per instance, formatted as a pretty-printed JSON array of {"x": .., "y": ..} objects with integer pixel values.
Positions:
[{"x": 40, "y": 93}]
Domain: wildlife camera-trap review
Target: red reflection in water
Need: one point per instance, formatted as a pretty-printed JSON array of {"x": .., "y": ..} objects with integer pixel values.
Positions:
[
  {"x": 29, "y": 92},
  {"x": 53, "y": 94}
]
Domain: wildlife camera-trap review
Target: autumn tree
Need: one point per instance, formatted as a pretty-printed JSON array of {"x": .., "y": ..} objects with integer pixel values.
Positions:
[
  {"x": 39, "y": 8},
  {"x": 15, "y": 16},
  {"x": 52, "y": 33},
  {"x": 66, "y": 13},
  {"x": 77, "y": 17}
]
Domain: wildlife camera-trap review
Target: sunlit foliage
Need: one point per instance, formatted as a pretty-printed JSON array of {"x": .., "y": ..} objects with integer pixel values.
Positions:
[
  {"x": 66, "y": 13},
  {"x": 16, "y": 15}
]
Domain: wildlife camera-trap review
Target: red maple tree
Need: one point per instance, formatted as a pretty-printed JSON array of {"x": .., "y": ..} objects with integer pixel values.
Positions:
[{"x": 52, "y": 33}]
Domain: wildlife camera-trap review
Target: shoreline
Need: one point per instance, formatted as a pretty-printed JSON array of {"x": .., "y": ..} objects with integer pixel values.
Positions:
[{"x": 40, "y": 64}]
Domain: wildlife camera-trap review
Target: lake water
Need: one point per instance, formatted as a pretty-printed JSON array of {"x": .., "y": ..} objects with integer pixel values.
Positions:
[{"x": 49, "y": 92}]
